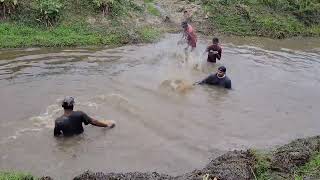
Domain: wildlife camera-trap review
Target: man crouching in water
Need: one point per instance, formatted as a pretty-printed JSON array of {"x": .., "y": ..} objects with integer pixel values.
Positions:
[
  {"x": 70, "y": 123},
  {"x": 217, "y": 79}
]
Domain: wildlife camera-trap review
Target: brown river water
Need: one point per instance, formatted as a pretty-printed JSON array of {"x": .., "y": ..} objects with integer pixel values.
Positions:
[{"x": 163, "y": 123}]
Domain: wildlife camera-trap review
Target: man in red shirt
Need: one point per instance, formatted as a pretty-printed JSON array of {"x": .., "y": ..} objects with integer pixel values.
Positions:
[
  {"x": 189, "y": 35},
  {"x": 214, "y": 51}
]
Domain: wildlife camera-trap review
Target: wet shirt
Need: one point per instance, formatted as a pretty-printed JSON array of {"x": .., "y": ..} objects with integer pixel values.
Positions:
[
  {"x": 72, "y": 124},
  {"x": 214, "y": 80},
  {"x": 191, "y": 36},
  {"x": 211, "y": 56}
]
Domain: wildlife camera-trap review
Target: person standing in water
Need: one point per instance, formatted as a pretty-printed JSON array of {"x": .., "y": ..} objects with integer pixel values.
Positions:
[
  {"x": 217, "y": 79},
  {"x": 70, "y": 123},
  {"x": 214, "y": 51},
  {"x": 189, "y": 35}
]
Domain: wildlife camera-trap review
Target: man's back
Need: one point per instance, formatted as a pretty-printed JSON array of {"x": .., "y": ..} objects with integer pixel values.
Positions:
[{"x": 71, "y": 124}]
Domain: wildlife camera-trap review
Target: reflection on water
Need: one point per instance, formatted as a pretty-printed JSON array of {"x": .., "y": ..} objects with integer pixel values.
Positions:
[{"x": 164, "y": 123}]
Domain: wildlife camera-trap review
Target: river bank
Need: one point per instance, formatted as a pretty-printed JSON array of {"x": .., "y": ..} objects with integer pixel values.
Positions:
[
  {"x": 300, "y": 159},
  {"x": 51, "y": 23}
]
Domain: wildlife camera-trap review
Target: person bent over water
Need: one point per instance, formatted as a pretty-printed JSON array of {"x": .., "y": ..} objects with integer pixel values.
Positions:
[
  {"x": 189, "y": 35},
  {"x": 218, "y": 79},
  {"x": 70, "y": 123},
  {"x": 214, "y": 51}
]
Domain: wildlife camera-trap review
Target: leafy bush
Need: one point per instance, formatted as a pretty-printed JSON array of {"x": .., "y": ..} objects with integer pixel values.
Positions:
[
  {"x": 115, "y": 7},
  {"x": 49, "y": 11}
]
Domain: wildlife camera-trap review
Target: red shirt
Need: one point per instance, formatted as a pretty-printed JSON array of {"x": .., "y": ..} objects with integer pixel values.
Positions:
[{"x": 191, "y": 36}]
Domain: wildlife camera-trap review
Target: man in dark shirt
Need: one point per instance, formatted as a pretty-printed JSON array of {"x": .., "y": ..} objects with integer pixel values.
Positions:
[
  {"x": 70, "y": 123},
  {"x": 218, "y": 79},
  {"x": 214, "y": 51}
]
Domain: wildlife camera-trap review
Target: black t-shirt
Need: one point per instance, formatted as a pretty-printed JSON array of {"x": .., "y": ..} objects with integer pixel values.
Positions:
[
  {"x": 211, "y": 56},
  {"x": 72, "y": 124},
  {"x": 214, "y": 80}
]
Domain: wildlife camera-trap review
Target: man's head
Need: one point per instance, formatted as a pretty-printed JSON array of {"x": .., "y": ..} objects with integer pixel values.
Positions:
[
  {"x": 184, "y": 24},
  {"x": 221, "y": 71},
  {"x": 215, "y": 40},
  {"x": 68, "y": 103}
]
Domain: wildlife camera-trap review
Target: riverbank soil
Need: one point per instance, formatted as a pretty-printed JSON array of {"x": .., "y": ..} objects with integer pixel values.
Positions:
[{"x": 285, "y": 162}]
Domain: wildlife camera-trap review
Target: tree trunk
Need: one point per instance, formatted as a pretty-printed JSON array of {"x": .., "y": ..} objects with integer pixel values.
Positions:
[{"x": 4, "y": 11}]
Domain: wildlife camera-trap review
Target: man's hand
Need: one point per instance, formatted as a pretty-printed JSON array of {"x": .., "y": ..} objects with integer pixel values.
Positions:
[
  {"x": 105, "y": 123},
  {"x": 109, "y": 123}
]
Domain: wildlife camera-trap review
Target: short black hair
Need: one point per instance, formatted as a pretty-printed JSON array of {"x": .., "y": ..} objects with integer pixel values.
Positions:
[
  {"x": 66, "y": 106},
  {"x": 223, "y": 69},
  {"x": 215, "y": 40},
  {"x": 184, "y": 24}
]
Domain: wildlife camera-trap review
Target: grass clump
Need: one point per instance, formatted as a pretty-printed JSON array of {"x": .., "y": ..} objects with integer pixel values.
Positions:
[
  {"x": 152, "y": 9},
  {"x": 270, "y": 18},
  {"x": 15, "y": 176},
  {"x": 149, "y": 34},
  {"x": 311, "y": 169},
  {"x": 262, "y": 165}
]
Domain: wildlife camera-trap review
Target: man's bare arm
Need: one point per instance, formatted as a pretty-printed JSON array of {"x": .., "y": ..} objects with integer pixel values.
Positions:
[{"x": 106, "y": 123}]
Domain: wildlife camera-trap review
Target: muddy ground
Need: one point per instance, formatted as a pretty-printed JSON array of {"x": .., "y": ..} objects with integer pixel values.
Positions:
[{"x": 234, "y": 165}]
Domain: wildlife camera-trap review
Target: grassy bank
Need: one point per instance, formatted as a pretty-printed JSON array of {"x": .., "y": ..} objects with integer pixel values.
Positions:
[
  {"x": 56, "y": 23},
  {"x": 264, "y": 170},
  {"x": 269, "y": 18},
  {"x": 19, "y": 35},
  {"x": 15, "y": 176},
  {"x": 311, "y": 169}
]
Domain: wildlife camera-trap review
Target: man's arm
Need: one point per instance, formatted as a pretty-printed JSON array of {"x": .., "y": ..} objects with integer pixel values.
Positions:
[
  {"x": 57, "y": 130},
  {"x": 206, "y": 80},
  {"x": 88, "y": 120},
  {"x": 228, "y": 84},
  {"x": 219, "y": 53},
  {"x": 106, "y": 123}
]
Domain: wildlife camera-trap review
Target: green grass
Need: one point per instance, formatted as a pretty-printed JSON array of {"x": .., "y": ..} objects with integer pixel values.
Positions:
[
  {"x": 311, "y": 169},
  {"x": 15, "y": 176},
  {"x": 80, "y": 24},
  {"x": 19, "y": 35},
  {"x": 262, "y": 165},
  {"x": 251, "y": 17},
  {"x": 149, "y": 34},
  {"x": 152, "y": 9}
]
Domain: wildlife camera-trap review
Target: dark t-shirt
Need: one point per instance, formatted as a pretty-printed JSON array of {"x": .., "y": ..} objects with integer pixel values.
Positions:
[
  {"x": 72, "y": 124},
  {"x": 214, "y": 80},
  {"x": 211, "y": 56}
]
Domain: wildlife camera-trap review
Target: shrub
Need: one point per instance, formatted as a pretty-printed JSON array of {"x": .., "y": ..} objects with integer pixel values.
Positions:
[{"x": 49, "y": 11}]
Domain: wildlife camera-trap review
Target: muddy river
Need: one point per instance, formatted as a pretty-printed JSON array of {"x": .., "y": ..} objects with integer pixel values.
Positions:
[{"x": 163, "y": 123}]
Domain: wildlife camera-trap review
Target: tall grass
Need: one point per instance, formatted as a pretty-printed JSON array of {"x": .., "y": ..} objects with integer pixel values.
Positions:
[
  {"x": 271, "y": 18},
  {"x": 15, "y": 176}
]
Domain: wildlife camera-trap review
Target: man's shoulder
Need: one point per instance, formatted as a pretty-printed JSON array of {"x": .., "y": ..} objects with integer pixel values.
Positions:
[
  {"x": 216, "y": 47},
  {"x": 213, "y": 75},
  {"x": 61, "y": 119},
  {"x": 78, "y": 113}
]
